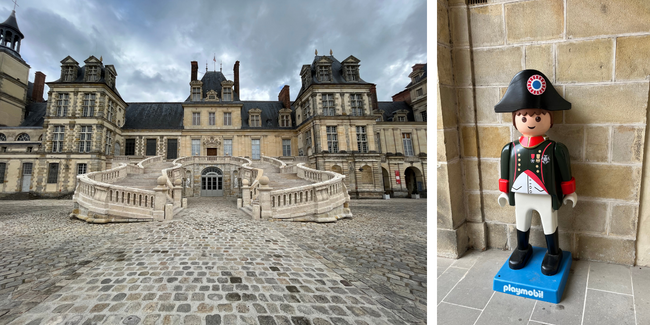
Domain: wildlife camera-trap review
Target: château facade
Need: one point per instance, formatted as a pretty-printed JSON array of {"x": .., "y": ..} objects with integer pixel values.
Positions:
[{"x": 335, "y": 124}]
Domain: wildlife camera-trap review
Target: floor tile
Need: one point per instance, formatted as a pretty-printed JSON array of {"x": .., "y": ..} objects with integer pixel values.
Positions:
[
  {"x": 468, "y": 259},
  {"x": 457, "y": 315},
  {"x": 605, "y": 308},
  {"x": 506, "y": 309},
  {"x": 476, "y": 288},
  {"x": 610, "y": 277},
  {"x": 448, "y": 280},
  {"x": 569, "y": 310},
  {"x": 443, "y": 264},
  {"x": 641, "y": 282}
]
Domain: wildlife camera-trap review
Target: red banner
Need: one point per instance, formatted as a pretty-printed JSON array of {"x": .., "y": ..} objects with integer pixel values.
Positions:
[{"x": 397, "y": 179}]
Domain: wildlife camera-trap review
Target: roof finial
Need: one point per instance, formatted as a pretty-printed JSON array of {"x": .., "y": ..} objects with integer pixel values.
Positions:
[
  {"x": 316, "y": 51},
  {"x": 330, "y": 52},
  {"x": 15, "y": 4},
  {"x": 221, "y": 66},
  {"x": 100, "y": 59},
  {"x": 206, "y": 66}
]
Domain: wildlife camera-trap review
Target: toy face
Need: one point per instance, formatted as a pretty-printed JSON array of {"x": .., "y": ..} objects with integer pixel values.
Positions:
[{"x": 531, "y": 126}]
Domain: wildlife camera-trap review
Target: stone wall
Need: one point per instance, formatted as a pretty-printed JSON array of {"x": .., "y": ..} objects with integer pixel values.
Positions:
[{"x": 596, "y": 55}]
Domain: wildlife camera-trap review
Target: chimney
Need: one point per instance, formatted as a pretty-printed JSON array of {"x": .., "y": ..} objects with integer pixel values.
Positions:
[
  {"x": 373, "y": 98},
  {"x": 39, "y": 84},
  {"x": 418, "y": 66},
  {"x": 236, "y": 71},
  {"x": 195, "y": 70},
  {"x": 284, "y": 97}
]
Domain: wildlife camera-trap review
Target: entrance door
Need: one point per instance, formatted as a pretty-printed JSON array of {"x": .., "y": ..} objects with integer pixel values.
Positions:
[
  {"x": 27, "y": 177},
  {"x": 256, "y": 149},
  {"x": 151, "y": 147},
  {"x": 212, "y": 182},
  {"x": 172, "y": 148},
  {"x": 212, "y": 151}
]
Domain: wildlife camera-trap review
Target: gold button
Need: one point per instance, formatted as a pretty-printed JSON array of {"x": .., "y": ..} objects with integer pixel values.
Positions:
[
  {"x": 518, "y": 154},
  {"x": 518, "y": 169},
  {"x": 519, "y": 159},
  {"x": 538, "y": 171},
  {"x": 536, "y": 166},
  {"x": 539, "y": 151},
  {"x": 518, "y": 164}
]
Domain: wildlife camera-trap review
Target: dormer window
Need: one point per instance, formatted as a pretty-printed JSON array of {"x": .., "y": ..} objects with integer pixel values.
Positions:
[
  {"x": 196, "y": 94},
  {"x": 254, "y": 118},
  {"x": 92, "y": 73},
  {"x": 227, "y": 94},
  {"x": 69, "y": 73},
  {"x": 285, "y": 118},
  {"x": 351, "y": 69},
  {"x": 351, "y": 73},
  {"x": 324, "y": 73},
  {"x": 305, "y": 74},
  {"x": 226, "y": 90},
  {"x": 109, "y": 80},
  {"x": 211, "y": 95}
]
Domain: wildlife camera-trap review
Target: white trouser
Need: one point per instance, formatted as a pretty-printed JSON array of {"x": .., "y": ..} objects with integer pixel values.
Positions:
[{"x": 543, "y": 204}]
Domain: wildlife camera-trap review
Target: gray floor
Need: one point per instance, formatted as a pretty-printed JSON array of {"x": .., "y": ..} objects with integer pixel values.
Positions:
[{"x": 596, "y": 293}]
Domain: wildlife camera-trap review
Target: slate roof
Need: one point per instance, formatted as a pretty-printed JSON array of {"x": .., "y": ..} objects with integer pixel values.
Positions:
[
  {"x": 11, "y": 23},
  {"x": 212, "y": 81},
  {"x": 388, "y": 108},
  {"x": 270, "y": 116},
  {"x": 35, "y": 113},
  {"x": 337, "y": 74},
  {"x": 418, "y": 79},
  {"x": 154, "y": 116},
  {"x": 80, "y": 79}
]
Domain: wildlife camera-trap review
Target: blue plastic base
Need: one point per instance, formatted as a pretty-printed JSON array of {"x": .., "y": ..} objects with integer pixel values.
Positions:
[{"x": 529, "y": 282}]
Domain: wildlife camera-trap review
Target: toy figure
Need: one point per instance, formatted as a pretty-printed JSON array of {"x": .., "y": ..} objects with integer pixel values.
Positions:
[{"x": 535, "y": 171}]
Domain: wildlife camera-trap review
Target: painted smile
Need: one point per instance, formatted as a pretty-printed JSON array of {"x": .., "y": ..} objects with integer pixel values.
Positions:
[{"x": 531, "y": 127}]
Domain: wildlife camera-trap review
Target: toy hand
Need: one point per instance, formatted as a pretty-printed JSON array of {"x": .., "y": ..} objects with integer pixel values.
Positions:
[
  {"x": 573, "y": 197},
  {"x": 503, "y": 199}
]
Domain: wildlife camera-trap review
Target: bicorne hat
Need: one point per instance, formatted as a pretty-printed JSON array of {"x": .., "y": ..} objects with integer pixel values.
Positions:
[{"x": 531, "y": 89}]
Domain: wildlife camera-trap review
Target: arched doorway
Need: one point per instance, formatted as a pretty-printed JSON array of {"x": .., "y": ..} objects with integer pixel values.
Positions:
[
  {"x": 212, "y": 182},
  {"x": 413, "y": 180},
  {"x": 337, "y": 169},
  {"x": 386, "y": 178}
]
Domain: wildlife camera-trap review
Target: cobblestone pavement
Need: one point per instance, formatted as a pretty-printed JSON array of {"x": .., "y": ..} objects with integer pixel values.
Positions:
[{"x": 212, "y": 265}]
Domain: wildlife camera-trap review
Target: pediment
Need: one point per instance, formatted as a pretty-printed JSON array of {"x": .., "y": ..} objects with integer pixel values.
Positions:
[
  {"x": 212, "y": 95},
  {"x": 305, "y": 68},
  {"x": 255, "y": 111},
  {"x": 92, "y": 60},
  {"x": 111, "y": 68},
  {"x": 285, "y": 111},
  {"x": 401, "y": 111},
  {"x": 351, "y": 60},
  {"x": 324, "y": 60},
  {"x": 69, "y": 60}
]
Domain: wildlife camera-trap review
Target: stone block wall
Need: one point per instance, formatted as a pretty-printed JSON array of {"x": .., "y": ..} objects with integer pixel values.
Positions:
[{"x": 595, "y": 54}]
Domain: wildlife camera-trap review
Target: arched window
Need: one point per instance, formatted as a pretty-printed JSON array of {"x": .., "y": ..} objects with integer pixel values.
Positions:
[
  {"x": 212, "y": 170},
  {"x": 22, "y": 137},
  {"x": 3, "y": 137}
]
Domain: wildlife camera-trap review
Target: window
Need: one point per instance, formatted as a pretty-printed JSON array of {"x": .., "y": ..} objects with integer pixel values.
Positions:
[
  {"x": 29, "y": 149},
  {"x": 362, "y": 140},
  {"x": 3, "y": 137},
  {"x": 129, "y": 149},
  {"x": 286, "y": 148},
  {"x": 109, "y": 142},
  {"x": 328, "y": 104},
  {"x": 3, "y": 168},
  {"x": 285, "y": 120},
  {"x": 211, "y": 119},
  {"x": 307, "y": 109},
  {"x": 82, "y": 169},
  {"x": 85, "y": 137},
  {"x": 196, "y": 118},
  {"x": 196, "y": 94},
  {"x": 424, "y": 116},
  {"x": 378, "y": 119},
  {"x": 308, "y": 138},
  {"x": 401, "y": 118},
  {"x": 69, "y": 74},
  {"x": 89, "y": 105},
  {"x": 196, "y": 147},
  {"x": 255, "y": 120},
  {"x": 22, "y": 137},
  {"x": 151, "y": 147},
  {"x": 227, "y": 94},
  {"x": 227, "y": 118},
  {"x": 57, "y": 138},
  {"x": 53, "y": 173},
  {"x": 408, "y": 145},
  {"x": 356, "y": 103},
  {"x": 92, "y": 73},
  {"x": 378, "y": 142},
  {"x": 324, "y": 73},
  {"x": 111, "y": 111},
  {"x": 419, "y": 92},
  {"x": 62, "y": 105},
  {"x": 255, "y": 149},
  {"x": 109, "y": 80},
  {"x": 332, "y": 139},
  {"x": 351, "y": 73},
  {"x": 227, "y": 147}
]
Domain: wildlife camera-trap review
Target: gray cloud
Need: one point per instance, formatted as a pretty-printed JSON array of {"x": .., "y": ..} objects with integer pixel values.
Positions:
[{"x": 151, "y": 43}]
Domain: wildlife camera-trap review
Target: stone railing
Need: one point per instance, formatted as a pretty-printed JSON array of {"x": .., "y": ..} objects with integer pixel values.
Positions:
[
  {"x": 324, "y": 201},
  {"x": 151, "y": 160},
  {"x": 96, "y": 200},
  {"x": 174, "y": 179}
]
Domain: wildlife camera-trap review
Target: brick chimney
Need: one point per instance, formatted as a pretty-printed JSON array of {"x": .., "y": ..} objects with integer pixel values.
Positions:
[
  {"x": 236, "y": 72},
  {"x": 418, "y": 66},
  {"x": 284, "y": 97},
  {"x": 39, "y": 84},
  {"x": 373, "y": 98},
  {"x": 195, "y": 70}
]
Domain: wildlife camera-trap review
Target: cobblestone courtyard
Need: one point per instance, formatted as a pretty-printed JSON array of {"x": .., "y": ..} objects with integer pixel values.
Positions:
[{"x": 212, "y": 265}]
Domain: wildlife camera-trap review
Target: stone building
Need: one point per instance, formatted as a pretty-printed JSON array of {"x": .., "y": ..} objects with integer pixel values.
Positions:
[
  {"x": 597, "y": 56},
  {"x": 335, "y": 124}
]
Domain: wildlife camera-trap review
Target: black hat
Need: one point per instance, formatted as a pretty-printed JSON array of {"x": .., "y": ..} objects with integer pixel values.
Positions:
[{"x": 531, "y": 89}]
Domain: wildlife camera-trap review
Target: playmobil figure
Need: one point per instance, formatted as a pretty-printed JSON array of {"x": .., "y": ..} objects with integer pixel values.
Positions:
[{"x": 535, "y": 171}]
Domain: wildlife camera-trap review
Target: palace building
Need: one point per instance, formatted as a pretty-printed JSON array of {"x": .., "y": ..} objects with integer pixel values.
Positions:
[{"x": 84, "y": 125}]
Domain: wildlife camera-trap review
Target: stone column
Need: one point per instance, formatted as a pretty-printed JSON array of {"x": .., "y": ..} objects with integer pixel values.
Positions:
[
  {"x": 178, "y": 192},
  {"x": 161, "y": 199},
  {"x": 245, "y": 193},
  {"x": 264, "y": 197}
]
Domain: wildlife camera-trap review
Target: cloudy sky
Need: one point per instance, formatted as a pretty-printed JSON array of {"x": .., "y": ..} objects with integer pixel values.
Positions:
[{"x": 151, "y": 43}]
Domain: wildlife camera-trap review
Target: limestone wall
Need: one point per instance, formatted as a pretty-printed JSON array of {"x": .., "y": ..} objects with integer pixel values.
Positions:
[{"x": 596, "y": 55}]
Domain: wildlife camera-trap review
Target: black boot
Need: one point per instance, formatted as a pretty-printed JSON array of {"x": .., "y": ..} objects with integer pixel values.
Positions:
[
  {"x": 553, "y": 257},
  {"x": 522, "y": 254}
]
